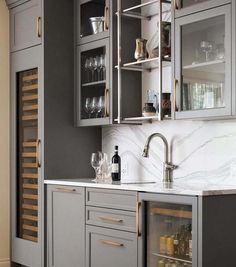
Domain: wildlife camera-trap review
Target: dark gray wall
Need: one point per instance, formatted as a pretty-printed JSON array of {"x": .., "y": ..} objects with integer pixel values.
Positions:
[{"x": 67, "y": 149}]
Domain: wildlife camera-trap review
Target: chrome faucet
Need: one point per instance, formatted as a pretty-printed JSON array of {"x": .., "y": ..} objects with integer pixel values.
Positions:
[{"x": 168, "y": 167}]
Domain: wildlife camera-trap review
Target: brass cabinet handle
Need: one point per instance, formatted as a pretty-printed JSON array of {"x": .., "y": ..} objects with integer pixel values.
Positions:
[
  {"x": 66, "y": 190},
  {"x": 174, "y": 95},
  {"x": 106, "y": 18},
  {"x": 112, "y": 243},
  {"x": 110, "y": 219},
  {"x": 138, "y": 206},
  {"x": 39, "y": 32},
  {"x": 38, "y": 153},
  {"x": 106, "y": 113},
  {"x": 176, "y": 6}
]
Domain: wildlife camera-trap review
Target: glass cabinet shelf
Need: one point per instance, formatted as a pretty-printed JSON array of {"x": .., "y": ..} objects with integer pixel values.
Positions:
[
  {"x": 172, "y": 213},
  {"x": 146, "y": 64},
  {"x": 146, "y": 10},
  {"x": 215, "y": 65},
  {"x": 172, "y": 258},
  {"x": 94, "y": 83}
]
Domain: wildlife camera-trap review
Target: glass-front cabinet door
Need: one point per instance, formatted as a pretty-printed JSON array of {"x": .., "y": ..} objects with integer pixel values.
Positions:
[
  {"x": 93, "y": 85},
  {"x": 26, "y": 165},
  {"x": 93, "y": 20},
  {"x": 203, "y": 64},
  {"x": 169, "y": 231}
]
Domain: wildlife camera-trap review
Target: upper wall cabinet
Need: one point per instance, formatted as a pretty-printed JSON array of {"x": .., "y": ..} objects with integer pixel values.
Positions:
[
  {"x": 26, "y": 25},
  {"x": 93, "y": 20},
  {"x": 203, "y": 58},
  {"x": 185, "y": 7}
]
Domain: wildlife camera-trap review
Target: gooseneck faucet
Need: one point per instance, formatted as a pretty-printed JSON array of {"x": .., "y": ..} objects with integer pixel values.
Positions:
[{"x": 168, "y": 167}]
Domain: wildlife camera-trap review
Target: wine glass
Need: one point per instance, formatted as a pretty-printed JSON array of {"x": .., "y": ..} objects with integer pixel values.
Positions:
[
  {"x": 95, "y": 65},
  {"x": 99, "y": 67},
  {"x": 94, "y": 106},
  {"x": 91, "y": 67},
  {"x": 96, "y": 163},
  {"x": 86, "y": 66},
  {"x": 101, "y": 105},
  {"x": 103, "y": 66},
  {"x": 207, "y": 48},
  {"x": 88, "y": 106}
]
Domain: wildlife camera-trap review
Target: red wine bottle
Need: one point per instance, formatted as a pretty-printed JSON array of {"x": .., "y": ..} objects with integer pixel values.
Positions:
[{"x": 116, "y": 164}]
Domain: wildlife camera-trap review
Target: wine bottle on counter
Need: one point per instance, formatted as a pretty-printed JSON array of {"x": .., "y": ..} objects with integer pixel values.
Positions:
[{"x": 116, "y": 166}]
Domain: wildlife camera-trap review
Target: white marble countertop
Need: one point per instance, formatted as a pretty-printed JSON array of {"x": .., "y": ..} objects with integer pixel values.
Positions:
[{"x": 177, "y": 188}]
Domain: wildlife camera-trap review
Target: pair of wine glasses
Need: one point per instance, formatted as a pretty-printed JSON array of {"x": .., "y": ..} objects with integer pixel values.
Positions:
[
  {"x": 95, "y": 67},
  {"x": 101, "y": 163},
  {"x": 95, "y": 107}
]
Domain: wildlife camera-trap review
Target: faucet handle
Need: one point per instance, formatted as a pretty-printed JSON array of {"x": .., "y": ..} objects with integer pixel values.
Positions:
[{"x": 170, "y": 166}]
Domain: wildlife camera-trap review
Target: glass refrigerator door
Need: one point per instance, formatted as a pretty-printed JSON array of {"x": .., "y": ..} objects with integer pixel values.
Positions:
[{"x": 169, "y": 235}]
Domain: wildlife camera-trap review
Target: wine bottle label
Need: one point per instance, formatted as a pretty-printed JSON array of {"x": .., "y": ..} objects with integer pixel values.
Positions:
[{"x": 115, "y": 168}]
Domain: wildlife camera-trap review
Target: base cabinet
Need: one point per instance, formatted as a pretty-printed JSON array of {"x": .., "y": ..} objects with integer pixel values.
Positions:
[
  {"x": 106, "y": 248},
  {"x": 66, "y": 227}
]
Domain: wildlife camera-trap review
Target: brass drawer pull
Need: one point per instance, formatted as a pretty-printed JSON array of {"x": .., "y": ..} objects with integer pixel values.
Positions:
[
  {"x": 138, "y": 206},
  {"x": 38, "y": 153},
  {"x": 39, "y": 32},
  {"x": 110, "y": 219},
  {"x": 112, "y": 243},
  {"x": 66, "y": 190}
]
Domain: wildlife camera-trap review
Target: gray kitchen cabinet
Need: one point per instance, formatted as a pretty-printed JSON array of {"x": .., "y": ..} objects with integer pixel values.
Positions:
[
  {"x": 106, "y": 248},
  {"x": 44, "y": 142},
  {"x": 93, "y": 85},
  {"x": 66, "y": 226},
  {"x": 25, "y": 25},
  {"x": 203, "y": 77},
  {"x": 186, "y": 7},
  {"x": 87, "y": 9},
  {"x": 111, "y": 234},
  {"x": 96, "y": 61},
  {"x": 208, "y": 221}
]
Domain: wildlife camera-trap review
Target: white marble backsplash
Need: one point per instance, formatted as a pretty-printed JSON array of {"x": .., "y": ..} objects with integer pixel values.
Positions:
[{"x": 204, "y": 151}]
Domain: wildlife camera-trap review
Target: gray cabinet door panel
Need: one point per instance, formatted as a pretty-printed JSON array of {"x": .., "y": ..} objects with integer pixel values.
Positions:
[
  {"x": 193, "y": 20},
  {"x": 22, "y": 251},
  {"x": 110, "y": 218},
  {"x": 116, "y": 199},
  {"x": 66, "y": 226},
  {"x": 110, "y": 248},
  {"x": 26, "y": 25}
]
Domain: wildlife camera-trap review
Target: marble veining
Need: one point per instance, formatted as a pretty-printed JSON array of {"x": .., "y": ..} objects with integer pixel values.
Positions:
[{"x": 204, "y": 151}]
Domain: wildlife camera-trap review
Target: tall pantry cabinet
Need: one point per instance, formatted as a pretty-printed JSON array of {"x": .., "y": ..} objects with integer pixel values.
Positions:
[{"x": 44, "y": 142}]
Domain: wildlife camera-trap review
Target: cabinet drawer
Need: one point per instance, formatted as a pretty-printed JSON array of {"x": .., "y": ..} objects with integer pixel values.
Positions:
[
  {"x": 110, "y": 218},
  {"x": 106, "y": 248},
  {"x": 116, "y": 199}
]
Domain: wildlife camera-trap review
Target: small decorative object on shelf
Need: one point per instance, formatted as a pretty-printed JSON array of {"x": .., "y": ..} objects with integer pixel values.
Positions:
[
  {"x": 149, "y": 110},
  {"x": 141, "y": 51},
  {"x": 97, "y": 24},
  {"x": 153, "y": 42}
]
